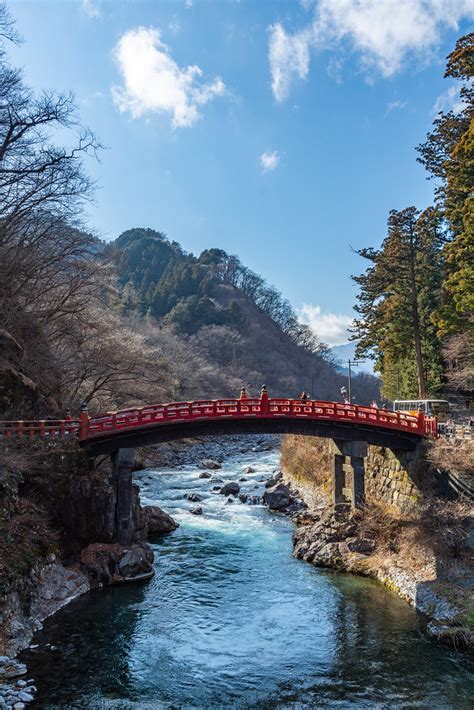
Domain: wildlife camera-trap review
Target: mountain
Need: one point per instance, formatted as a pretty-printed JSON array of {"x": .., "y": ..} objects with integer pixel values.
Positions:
[
  {"x": 342, "y": 353},
  {"x": 235, "y": 328}
]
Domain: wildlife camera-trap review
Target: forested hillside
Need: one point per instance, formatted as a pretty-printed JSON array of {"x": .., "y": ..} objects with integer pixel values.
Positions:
[
  {"x": 229, "y": 327},
  {"x": 416, "y": 298}
]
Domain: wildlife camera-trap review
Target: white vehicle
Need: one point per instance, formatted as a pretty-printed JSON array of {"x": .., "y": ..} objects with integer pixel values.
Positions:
[{"x": 430, "y": 407}]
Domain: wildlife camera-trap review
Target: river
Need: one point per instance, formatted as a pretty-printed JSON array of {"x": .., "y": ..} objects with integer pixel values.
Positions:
[{"x": 232, "y": 620}]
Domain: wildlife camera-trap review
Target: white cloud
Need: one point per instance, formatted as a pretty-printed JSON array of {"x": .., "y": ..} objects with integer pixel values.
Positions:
[
  {"x": 154, "y": 83},
  {"x": 289, "y": 58},
  {"x": 269, "y": 161},
  {"x": 189, "y": 4},
  {"x": 451, "y": 100},
  {"x": 90, "y": 8},
  {"x": 396, "y": 105},
  {"x": 384, "y": 34},
  {"x": 331, "y": 328}
]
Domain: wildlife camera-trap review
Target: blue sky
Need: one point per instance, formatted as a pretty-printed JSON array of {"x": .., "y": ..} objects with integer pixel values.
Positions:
[{"x": 283, "y": 132}]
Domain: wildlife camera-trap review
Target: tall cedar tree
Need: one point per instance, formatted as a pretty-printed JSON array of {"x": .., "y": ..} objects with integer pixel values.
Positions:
[
  {"x": 448, "y": 154},
  {"x": 397, "y": 296}
]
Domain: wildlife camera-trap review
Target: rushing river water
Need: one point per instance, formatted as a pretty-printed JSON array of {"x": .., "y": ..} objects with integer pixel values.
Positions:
[{"x": 232, "y": 620}]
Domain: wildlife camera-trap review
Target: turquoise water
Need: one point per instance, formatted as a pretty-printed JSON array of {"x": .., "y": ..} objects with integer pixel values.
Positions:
[{"x": 232, "y": 620}]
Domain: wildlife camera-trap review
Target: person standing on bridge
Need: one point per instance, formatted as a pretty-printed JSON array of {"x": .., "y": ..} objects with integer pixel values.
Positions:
[
  {"x": 304, "y": 396},
  {"x": 243, "y": 393}
]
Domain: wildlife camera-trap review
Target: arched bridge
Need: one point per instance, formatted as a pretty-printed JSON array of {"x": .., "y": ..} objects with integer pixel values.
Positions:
[
  {"x": 131, "y": 428},
  {"x": 351, "y": 427}
]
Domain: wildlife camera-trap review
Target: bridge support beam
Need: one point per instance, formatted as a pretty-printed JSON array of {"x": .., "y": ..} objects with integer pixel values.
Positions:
[
  {"x": 123, "y": 462},
  {"x": 348, "y": 473}
]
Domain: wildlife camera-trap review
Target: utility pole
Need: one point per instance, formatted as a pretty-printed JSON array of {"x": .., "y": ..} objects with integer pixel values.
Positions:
[
  {"x": 350, "y": 381},
  {"x": 351, "y": 364}
]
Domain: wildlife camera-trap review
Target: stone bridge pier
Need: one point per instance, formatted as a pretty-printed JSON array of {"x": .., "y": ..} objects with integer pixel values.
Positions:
[
  {"x": 348, "y": 478},
  {"x": 348, "y": 481},
  {"x": 123, "y": 462}
]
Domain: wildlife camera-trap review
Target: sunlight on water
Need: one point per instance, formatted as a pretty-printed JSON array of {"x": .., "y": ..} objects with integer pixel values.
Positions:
[{"x": 232, "y": 620}]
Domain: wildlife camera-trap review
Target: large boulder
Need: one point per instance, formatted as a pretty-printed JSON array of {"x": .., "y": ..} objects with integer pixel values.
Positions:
[
  {"x": 278, "y": 497},
  {"x": 111, "y": 564},
  {"x": 158, "y": 522},
  {"x": 230, "y": 489}
]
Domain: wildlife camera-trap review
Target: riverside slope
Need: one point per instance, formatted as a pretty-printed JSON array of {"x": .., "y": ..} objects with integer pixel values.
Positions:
[{"x": 421, "y": 551}]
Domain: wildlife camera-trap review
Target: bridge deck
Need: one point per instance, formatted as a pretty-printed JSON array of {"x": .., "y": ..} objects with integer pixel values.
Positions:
[{"x": 142, "y": 425}]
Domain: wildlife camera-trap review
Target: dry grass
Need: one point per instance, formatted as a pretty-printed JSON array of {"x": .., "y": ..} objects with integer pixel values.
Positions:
[
  {"x": 455, "y": 455},
  {"x": 428, "y": 540},
  {"x": 447, "y": 524},
  {"x": 381, "y": 522},
  {"x": 307, "y": 459}
]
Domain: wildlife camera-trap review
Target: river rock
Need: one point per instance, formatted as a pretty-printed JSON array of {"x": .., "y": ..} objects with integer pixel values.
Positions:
[
  {"x": 210, "y": 463},
  {"x": 158, "y": 522},
  {"x": 249, "y": 469},
  {"x": 278, "y": 497},
  {"x": 243, "y": 497},
  {"x": 136, "y": 561},
  {"x": 230, "y": 489},
  {"x": 270, "y": 483},
  {"x": 25, "y": 697},
  {"x": 197, "y": 511},
  {"x": 205, "y": 474},
  {"x": 12, "y": 669},
  {"x": 193, "y": 497},
  {"x": 109, "y": 564}
]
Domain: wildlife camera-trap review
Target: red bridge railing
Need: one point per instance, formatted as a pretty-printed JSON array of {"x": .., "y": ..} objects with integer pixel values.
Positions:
[
  {"x": 87, "y": 428},
  {"x": 42, "y": 429}
]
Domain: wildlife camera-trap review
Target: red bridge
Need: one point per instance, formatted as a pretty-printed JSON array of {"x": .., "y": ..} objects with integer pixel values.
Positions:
[
  {"x": 351, "y": 427},
  {"x": 130, "y": 428}
]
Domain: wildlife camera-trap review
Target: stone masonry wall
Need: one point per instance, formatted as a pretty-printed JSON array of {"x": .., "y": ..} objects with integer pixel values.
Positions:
[{"x": 397, "y": 478}]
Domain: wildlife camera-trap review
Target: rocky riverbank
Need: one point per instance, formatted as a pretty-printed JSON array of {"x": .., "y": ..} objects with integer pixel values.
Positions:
[
  {"x": 58, "y": 531},
  {"x": 421, "y": 551},
  {"x": 15, "y": 692},
  {"x": 57, "y": 518}
]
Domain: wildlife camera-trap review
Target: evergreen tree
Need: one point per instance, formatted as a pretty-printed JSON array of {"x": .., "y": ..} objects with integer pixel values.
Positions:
[
  {"x": 397, "y": 295},
  {"x": 448, "y": 155}
]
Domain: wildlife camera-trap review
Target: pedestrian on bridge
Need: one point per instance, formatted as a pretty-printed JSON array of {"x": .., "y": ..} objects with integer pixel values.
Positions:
[{"x": 304, "y": 396}]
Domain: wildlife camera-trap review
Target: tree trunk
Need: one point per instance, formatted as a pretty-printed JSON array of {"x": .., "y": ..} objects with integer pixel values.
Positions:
[{"x": 416, "y": 322}]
